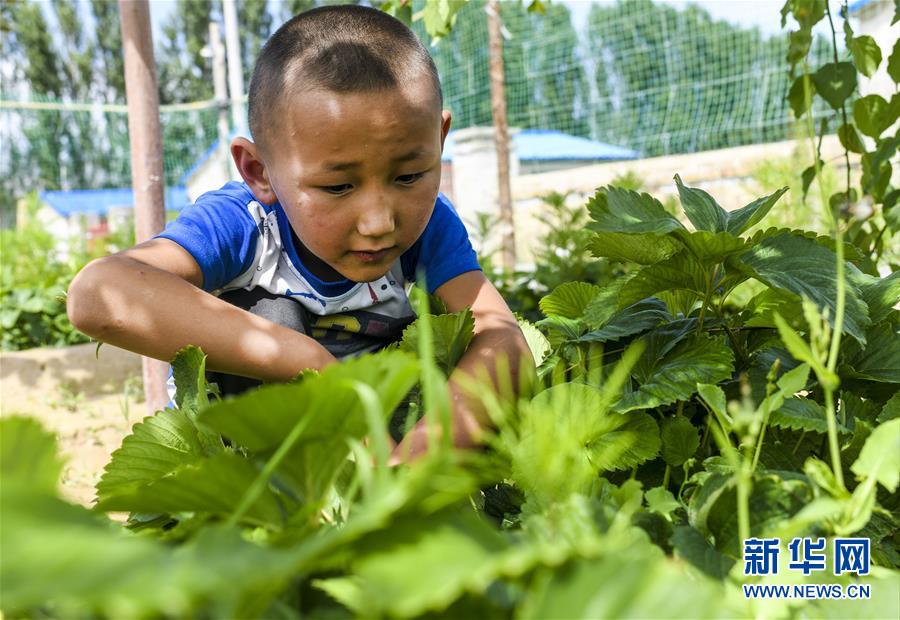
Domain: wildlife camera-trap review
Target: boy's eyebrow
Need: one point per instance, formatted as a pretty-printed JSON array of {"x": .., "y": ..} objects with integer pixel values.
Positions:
[{"x": 340, "y": 166}]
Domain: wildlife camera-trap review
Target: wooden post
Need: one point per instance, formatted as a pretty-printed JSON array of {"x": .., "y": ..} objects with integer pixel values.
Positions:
[
  {"x": 220, "y": 91},
  {"x": 146, "y": 155},
  {"x": 235, "y": 66},
  {"x": 501, "y": 136}
]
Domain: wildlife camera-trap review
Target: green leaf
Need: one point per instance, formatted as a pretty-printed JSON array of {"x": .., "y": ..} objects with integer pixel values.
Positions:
[
  {"x": 705, "y": 497},
  {"x": 701, "y": 208},
  {"x": 797, "y": 96},
  {"x": 156, "y": 447},
  {"x": 880, "y": 360},
  {"x": 451, "y": 335},
  {"x": 799, "y": 42},
  {"x": 623, "y": 441},
  {"x": 886, "y": 148},
  {"x": 793, "y": 380},
  {"x": 809, "y": 175},
  {"x": 63, "y": 557},
  {"x": 439, "y": 17},
  {"x": 560, "y": 329},
  {"x": 880, "y": 457},
  {"x": 618, "y": 210},
  {"x": 605, "y": 304},
  {"x": 215, "y": 486},
  {"x": 850, "y": 139},
  {"x": 627, "y": 584},
  {"x": 643, "y": 249},
  {"x": 866, "y": 54},
  {"x": 802, "y": 352},
  {"x": 690, "y": 545},
  {"x": 675, "y": 376},
  {"x": 820, "y": 473},
  {"x": 710, "y": 247},
  {"x": 569, "y": 300},
  {"x": 28, "y": 455},
  {"x": 418, "y": 566},
  {"x": 742, "y": 219},
  {"x": 763, "y": 307},
  {"x": 632, "y": 320},
  {"x": 835, "y": 82},
  {"x": 773, "y": 500},
  {"x": 679, "y": 440},
  {"x": 891, "y": 409},
  {"x": 537, "y": 342},
  {"x": 715, "y": 399},
  {"x": 327, "y": 410},
  {"x": 893, "y": 66},
  {"x": 567, "y": 435},
  {"x": 880, "y": 294},
  {"x": 870, "y": 113},
  {"x": 661, "y": 501},
  {"x": 189, "y": 370},
  {"x": 679, "y": 272},
  {"x": 802, "y": 414},
  {"x": 808, "y": 269}
]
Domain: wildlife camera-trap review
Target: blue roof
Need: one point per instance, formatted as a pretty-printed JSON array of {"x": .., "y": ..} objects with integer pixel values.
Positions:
[
  {"x": 99, "y": 201},
  {"x": 858, "y": 5},
  {"x": 548, "y": 145}
]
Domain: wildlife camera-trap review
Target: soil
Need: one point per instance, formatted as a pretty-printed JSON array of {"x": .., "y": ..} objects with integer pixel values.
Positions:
[{"x": 90, "y": 399}]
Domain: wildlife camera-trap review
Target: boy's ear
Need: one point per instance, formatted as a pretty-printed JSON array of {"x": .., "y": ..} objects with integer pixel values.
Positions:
[
  {"x": 445, "y": 127},
  {"x": 250, "y": 165}
]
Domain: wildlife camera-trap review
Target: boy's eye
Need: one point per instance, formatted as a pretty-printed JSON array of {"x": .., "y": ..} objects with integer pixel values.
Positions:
[
  {"x": 409, "y": 179},
  {"x": 337, "y": 189}
]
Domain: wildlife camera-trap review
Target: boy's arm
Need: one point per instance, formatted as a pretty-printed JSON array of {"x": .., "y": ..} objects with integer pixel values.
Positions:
[
  {"x": 497, "y": 335},
  {"x": 148, "y": 300}
]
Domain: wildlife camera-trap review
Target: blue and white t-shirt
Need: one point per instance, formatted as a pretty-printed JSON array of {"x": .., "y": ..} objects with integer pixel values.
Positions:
[{"x": 241, "y": 243}]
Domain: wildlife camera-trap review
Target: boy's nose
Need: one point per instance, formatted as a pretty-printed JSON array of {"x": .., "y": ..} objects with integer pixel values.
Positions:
[{"x": 376, "y": 220}]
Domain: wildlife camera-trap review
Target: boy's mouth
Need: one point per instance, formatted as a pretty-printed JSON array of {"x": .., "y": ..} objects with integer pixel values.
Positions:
[{"x": 372, "y": 256}]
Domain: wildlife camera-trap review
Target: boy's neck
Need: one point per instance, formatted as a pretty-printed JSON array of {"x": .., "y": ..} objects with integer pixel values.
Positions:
[{"x": 316, "y": 265}]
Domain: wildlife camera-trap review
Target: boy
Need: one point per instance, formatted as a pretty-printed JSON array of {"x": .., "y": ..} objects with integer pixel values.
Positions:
[{"x": 305, "y": 262}]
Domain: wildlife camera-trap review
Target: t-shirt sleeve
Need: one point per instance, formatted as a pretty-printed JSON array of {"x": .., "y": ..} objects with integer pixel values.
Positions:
[
  {"x": 443, "y": 251},
  {"x": 219, "y": 232}
]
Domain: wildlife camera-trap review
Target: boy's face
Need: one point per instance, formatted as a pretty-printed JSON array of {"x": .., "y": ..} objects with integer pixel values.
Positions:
[{"x": 357, "y": 175}]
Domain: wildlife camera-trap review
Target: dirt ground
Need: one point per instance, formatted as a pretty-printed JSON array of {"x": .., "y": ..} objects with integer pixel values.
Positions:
[{"x": 90, "y": 401}]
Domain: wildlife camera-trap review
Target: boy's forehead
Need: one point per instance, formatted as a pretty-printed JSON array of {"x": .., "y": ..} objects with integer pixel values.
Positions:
[{"x": 408, "y": 111}]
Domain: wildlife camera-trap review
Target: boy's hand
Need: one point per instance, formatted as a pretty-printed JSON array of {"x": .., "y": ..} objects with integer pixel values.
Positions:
[{"x": 497, "y": 339}]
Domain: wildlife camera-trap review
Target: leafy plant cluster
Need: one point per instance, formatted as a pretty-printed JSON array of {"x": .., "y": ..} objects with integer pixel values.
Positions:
[
  {"x": 666, "y": 426},
  {"x": 561, "y": 255},
  {"x": 869, "y": 215},
  {"x": 33, "y": 281}
]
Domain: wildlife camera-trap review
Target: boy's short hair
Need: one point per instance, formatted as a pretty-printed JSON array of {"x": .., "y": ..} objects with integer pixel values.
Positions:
[{"x": 343, "y": 49}]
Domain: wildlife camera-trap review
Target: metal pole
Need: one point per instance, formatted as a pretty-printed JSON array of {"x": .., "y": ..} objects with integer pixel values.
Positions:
[
  {"x": 220, "y": 89},
  {"x": 501, "y": 135},
  {"x": 235, "y": 67},
  {"x": 146, "y": 155}
]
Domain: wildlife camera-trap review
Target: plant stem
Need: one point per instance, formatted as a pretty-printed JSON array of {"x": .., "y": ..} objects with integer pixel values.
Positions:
[
  {"x": 827, "y": 386},
  {"x": 833, "y": 447},
  {"x": 834, "y": 50},
  {"x": 665, "y": 483},
  {"x": 259, "y": 483},
  {"x": 759, "y": 440},
  {"x": 799, "y": 441},
  {"x": 705, "y": 440},
  {"x": 709, "y": 286}
]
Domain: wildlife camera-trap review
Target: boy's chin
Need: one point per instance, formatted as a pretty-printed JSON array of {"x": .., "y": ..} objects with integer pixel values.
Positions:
[{"x": 365, "y": 274}]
